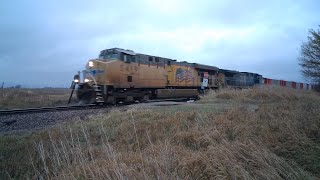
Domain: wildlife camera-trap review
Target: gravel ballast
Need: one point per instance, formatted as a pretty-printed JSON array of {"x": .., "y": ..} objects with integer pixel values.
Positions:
[
  {"x": 28, "y": 122},
  {"x": 33, "y": 121}
]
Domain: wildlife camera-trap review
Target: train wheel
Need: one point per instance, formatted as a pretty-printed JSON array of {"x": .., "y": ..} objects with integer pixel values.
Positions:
[{"x": 145, "y": 98}]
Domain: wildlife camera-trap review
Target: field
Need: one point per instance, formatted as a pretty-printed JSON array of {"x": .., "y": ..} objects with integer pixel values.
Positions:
[
  {"x": 260, "y": 133},
  {"x": 25, "y": 98}
]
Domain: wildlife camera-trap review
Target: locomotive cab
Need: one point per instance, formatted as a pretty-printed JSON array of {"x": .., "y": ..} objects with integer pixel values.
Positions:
[
  {"x": 101, "y": 76},
  {"x": 117, "y": 54}
]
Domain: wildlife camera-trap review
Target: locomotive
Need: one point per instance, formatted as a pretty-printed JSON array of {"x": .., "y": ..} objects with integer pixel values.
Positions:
[
  {"x": 120, "y": 75},
  {"x": 123, "y": 75}
]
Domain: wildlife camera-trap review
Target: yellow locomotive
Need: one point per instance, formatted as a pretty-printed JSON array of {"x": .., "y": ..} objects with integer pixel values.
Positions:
[{"x": 123, "y": 75}]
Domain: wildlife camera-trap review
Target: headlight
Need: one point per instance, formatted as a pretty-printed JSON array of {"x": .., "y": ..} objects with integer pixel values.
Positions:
[
  {"x": 86, "y": 80},
  {"x": 76, "y": 78},
  {"x": 90, "y": 63}
]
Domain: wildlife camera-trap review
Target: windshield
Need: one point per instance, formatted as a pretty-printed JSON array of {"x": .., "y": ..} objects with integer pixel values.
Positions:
[{"x": 109, "y": 56}]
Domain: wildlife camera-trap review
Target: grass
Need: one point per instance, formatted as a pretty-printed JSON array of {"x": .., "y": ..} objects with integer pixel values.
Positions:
[
  {"x": 260, "y": 134},
  {"x": 25, "y": 98}
]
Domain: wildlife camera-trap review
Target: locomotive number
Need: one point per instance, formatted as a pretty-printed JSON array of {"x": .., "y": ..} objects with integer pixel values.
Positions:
[{"x": 128, "y": 68}]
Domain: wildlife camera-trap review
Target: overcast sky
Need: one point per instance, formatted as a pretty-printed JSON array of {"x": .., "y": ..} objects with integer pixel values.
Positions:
[{"x": 44, "y": 43}]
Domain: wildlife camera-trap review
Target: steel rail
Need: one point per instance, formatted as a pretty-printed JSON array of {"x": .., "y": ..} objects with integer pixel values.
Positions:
[
  {"x": 43, "y": 109},
  {"x": 75, "y": 107}
]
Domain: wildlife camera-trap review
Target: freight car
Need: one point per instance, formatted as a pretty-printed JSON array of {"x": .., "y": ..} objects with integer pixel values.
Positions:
[
  {"x": 123, "y": 75},
  {"x": 287, "y": 84}
]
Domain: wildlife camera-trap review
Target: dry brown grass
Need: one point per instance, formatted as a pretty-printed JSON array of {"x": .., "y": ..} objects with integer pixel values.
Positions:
[
  {"x": 262, "y": 94},
  {"x": 277, "y": 140},
  {"x": 24, "y": 98}
]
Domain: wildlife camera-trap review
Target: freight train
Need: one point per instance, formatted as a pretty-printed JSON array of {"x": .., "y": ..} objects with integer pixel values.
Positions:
[{"x": 120, "y": 75}]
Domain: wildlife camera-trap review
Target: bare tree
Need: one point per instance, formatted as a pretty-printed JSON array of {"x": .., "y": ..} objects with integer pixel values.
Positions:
[{"x": 310, "y": 57}]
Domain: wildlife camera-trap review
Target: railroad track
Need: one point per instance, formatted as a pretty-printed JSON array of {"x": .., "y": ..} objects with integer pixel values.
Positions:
[
  {"x": 30, "y": 119},
  {"x": 75, "y": 107},
  {"x": 43, "y": 109}
]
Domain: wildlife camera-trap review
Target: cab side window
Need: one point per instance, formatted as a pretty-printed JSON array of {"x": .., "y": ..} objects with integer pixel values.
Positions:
[
  {"x": 132, "y": 58},
  {"x": 127, "y": 58}
]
